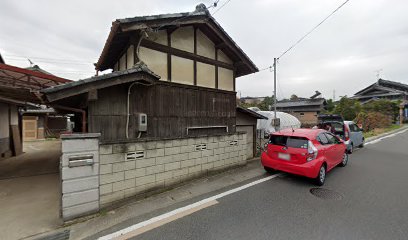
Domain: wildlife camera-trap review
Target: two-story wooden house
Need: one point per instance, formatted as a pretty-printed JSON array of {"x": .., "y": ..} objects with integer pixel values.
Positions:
[
  {"x": 167, "y": 112},
  {"x": 178, "y": 69}
]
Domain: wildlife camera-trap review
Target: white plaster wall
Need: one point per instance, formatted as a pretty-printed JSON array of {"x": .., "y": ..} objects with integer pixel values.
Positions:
[
  {"x": 155, "y": 60},
  {"x": 122, "y": 63},
  {"x": 205, "y": 47},
  {"x": 205, "y": 75},
  {"x": 13, "y": 115},
  {"x": 183, "y": 39},
  {"x": 130, "y": 57},
  {"x": 158, "y": 37},
  {"x": 225, "y": 79},
  {"x": 182, "y": 70}
]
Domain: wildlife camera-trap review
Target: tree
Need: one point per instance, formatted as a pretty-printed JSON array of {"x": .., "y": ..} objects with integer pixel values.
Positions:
[
  {"x": 264, "y": 105},
  {"x": 330, "y": 105},
  {"x": 348, "y": 108}
]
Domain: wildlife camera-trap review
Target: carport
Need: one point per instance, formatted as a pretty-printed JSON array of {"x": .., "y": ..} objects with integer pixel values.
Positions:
[{"x": 30, "y": 188}]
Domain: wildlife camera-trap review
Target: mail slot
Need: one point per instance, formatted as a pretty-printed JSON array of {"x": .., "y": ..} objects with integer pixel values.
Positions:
[{"x": 78, "y": 161}]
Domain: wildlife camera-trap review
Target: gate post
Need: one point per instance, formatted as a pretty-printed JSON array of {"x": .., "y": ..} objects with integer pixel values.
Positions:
[{"x": 79, "y": 173}]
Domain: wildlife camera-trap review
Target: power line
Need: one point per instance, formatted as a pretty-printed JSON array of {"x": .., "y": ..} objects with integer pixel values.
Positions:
[
  {"x": 304, "y": 36},
  {"x": 188, "y": 15},
  {"x": 221, "y": 7},
  {"x": 308, "y": 33}
]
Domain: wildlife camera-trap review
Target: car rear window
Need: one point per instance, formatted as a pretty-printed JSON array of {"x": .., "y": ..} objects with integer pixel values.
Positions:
[{"x": 289, "y": 141}]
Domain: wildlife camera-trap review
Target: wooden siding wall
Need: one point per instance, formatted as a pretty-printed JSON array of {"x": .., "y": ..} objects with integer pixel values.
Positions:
[{"x": 170, "y": 109}]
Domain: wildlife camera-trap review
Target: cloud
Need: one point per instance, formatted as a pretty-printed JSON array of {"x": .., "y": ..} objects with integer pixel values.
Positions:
[{"x": 342, "y": 55}]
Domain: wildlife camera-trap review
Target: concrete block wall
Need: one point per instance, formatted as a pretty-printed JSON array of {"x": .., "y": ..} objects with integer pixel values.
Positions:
[
  {"x": 80, "y": 184},
  {"x": 130, "y": 169}
]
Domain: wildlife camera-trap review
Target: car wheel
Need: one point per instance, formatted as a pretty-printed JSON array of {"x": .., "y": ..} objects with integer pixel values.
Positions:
[
  {"x": 362, "y": 144},
  {"x": 351, "y": 149},
  {"x": 344, "y": 161},
  {"x": 269, "y": 170},
  {"x": 321, "y": 177}
]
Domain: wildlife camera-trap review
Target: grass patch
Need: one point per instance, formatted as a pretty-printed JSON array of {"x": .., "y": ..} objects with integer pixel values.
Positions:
[{"x": 378, "y": 131}]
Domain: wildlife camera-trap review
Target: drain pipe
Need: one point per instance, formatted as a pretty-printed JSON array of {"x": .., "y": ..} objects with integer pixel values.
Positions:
[
  {"x": 83, "y": 112},
  {"x": 142, "y": 34},
  {"x": 127, "y": 109}
]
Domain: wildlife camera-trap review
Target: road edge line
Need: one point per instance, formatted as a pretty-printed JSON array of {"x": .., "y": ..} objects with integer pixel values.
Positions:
[
  {"x": 386, "y": 136},
  {"x": 185, "y": 208}
]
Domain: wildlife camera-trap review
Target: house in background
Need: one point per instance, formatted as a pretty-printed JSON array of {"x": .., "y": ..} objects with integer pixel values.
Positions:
[
  {"x": 304, "y": 109},
  {"x": 385, "y": 89},
  {"x": 168, "y": 107}
]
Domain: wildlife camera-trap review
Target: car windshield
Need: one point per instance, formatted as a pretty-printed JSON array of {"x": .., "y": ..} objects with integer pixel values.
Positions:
[{"x": 289, "y": 141}]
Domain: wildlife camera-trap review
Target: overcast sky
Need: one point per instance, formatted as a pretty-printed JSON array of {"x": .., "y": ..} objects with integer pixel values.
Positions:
[{"x": 344, "y": 54}]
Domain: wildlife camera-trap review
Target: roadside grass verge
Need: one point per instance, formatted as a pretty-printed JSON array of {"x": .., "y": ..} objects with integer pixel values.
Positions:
[{"x": 378, "y": 131}]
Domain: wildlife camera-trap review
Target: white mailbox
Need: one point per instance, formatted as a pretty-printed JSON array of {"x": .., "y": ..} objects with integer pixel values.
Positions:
[{"x": 141, "y": 119}]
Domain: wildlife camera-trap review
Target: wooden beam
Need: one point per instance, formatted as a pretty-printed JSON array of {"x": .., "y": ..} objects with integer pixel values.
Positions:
[
  {"x": 168, "y": 56},
  {"x": 195, "y": 52},
  {"x": 184, "y": 54},
  {"x": 216, "y": 69}
]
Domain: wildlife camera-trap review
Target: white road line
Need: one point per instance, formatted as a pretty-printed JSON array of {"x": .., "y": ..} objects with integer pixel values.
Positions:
[
  {"x": 182, "y": 209},
  {"x": 388, "y": 136}
]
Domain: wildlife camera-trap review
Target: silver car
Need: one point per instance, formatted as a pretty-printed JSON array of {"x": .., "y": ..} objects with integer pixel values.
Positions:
[{"x": 356, "y": 136}]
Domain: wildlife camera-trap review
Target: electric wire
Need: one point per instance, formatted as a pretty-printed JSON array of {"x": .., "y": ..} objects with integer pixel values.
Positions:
[
  {"x": 188, "y": 15},
  {"x": 215, "y": 11},
  {"x": 308, "y": 33}
]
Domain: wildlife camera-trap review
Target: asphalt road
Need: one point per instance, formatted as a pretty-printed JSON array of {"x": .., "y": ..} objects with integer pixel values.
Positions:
[{"x": 372, "y": 203}]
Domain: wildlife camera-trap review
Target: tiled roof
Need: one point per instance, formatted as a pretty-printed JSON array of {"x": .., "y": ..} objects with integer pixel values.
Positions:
[
  {"x": 141, "y": 67},
  {"x": 300, "y": 103}
]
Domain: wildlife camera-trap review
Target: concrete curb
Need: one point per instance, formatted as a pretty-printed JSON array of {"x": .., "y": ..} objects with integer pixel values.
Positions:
[{"x": 370, "y": 139}]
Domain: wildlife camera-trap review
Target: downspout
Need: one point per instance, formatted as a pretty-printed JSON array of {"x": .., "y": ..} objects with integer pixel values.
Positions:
[
  {"x": 127, "y": 109},
  {"x": 83, "y": 112}
]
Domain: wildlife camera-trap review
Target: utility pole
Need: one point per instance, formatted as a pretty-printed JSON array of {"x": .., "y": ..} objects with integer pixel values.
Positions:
[{"x": 274, "y": 88}]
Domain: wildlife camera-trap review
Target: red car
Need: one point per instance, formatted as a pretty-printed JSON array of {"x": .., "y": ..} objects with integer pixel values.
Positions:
[{"x": 307, "y": 152}]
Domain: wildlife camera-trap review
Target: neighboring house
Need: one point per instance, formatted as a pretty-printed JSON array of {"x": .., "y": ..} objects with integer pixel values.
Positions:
[
  {"x": 19, "y": 88},
  {"x": 305, "y": 109},
  {"x": 168, "y": 107},
  {"x": 252, "y": 100},
  {"x": 385, "y": 89},
  {"x": 247, "y": 122}
]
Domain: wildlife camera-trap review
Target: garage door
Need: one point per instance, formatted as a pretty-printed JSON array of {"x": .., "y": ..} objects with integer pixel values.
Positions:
[{"x": 250, "y": 139}]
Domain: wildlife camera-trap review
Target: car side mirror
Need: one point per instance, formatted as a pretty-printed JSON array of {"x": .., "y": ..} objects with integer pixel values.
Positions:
[{"x": 360, "y": 129}]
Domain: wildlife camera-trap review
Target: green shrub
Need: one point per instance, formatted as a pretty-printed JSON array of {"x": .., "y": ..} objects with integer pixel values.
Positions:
[{"x": 372, "y": 120}]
